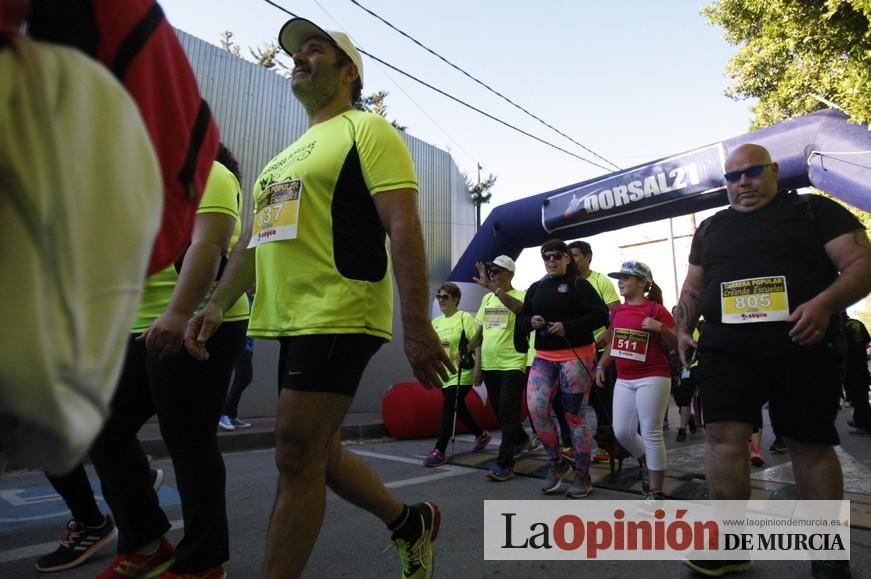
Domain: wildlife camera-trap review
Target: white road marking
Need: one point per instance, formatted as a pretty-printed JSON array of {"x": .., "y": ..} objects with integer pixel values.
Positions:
[
  {"x": 34, "y": 551},
  {"x": 446, "y": 471}
]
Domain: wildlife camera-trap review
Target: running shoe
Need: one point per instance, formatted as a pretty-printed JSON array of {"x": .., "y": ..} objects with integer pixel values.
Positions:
[
  {"x": 213, "y": 573},
  {"x": 157, "y": 477},
  {"x": 601, "y": 455},
  {"x": 481, "y": 441},
  {"x": 522, "y": 447},
  {"x": 644, "y": 475},
  {"x": 500, "y": 474},
  {"x": 777, "y": 447},
  {"x": 225, "y": 424},
  {"x": 755, "y": 456},
  {"x": 717, "y": 568},
  {"x": 651, "y": 502},
  {"x": 581, "y": 487},
  {"x": 240, "y": 423},
  {"x": 534, "y": 442},
  {"x": 681, "y": 435},
  {"x": 417, "y": 555},
  {"x": 80, "y": 542},
  {"x": 830, "y": 569},
  {"x": 554, "y": 478},
  {"x": 435, "y": 458},
  {"x": 141, "y": 566},
  {"x": 567, "y": 453}
]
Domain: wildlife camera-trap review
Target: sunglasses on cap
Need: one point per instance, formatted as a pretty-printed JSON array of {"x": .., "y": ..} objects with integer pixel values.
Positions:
[
  {"x": 751, "y": 172},
  {"x": 553, "y": 255}
]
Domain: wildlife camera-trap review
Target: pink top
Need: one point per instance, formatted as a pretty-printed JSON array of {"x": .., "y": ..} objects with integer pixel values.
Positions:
[{"x": 639, "y": 353}]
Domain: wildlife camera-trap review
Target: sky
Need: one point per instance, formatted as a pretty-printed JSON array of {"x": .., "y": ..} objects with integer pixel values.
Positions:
[{"x": 632, "y": 80}]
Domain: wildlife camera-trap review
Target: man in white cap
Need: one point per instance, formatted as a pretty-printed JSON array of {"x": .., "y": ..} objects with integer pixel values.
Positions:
[
  {"x": 324, "y": 209},
  {"x": 503, "y": 368}
]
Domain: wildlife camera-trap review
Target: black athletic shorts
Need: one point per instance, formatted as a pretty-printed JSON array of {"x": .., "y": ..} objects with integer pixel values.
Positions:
[
  {"x": 325, "y": 362},
  {"x": 802, "y": 394},
  {"x": 683, "y": 394}
]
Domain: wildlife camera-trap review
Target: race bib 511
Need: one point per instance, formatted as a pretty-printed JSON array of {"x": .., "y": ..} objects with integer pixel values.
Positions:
[{"x": 630, "y": 344}]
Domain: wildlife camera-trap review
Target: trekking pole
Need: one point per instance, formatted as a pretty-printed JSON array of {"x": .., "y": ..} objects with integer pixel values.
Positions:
[{"x": 456, "y": 403}]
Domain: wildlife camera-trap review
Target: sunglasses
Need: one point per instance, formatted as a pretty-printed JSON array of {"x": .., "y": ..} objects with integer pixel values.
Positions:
[
  {"x": 495, "y": 270},
  {"x": 553, "y": 255},
  {"x": 751, "y": 172},
  {"x": 441, "y": 297}
]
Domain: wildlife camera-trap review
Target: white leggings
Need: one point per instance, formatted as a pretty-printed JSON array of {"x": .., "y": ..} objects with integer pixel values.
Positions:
[{"x": 643, "y": 399}]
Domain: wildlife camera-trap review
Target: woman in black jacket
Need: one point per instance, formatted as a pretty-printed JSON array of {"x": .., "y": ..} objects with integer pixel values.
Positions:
[{"x": 564, "y": 310}]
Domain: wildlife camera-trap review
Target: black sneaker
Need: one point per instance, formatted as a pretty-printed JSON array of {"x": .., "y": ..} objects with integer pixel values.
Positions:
[
  {"x": 692, "y": 424},
  {"x": 681, "y": 435},
  {"x": 777, "y": 447},
  {"x": 830, "y": 569},
  {"x": 717, "y": 568},
  {"x": 79, "y": 543}
]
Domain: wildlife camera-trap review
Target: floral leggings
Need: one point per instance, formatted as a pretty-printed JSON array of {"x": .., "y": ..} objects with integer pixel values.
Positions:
[{"x": 572, "y": 383}]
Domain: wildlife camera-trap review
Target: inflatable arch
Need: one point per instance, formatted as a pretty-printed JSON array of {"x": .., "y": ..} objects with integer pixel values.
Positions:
[{"x": 822, "y": 149}]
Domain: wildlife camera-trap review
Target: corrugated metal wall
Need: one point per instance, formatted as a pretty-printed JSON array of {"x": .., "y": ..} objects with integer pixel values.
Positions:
[{"x": 258, "y": 117}]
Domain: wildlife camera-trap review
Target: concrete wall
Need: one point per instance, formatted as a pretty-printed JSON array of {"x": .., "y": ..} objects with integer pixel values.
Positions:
[{"x": 258, "y": 117}]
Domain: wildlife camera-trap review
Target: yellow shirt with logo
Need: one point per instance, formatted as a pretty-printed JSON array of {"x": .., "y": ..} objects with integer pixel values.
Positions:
[
  {"x": 221, "y": 195},
  {"x": 322, "y": 254},
  {"x": 449, "y": 330},
  {"x": 497, "y": 349},
  {"x": 606, "y": 291}
]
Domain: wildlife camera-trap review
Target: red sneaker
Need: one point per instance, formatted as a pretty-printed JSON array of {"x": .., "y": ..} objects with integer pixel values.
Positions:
[
  {"x": 213, "y": 573},
  {"x": 136, "y": 566}
]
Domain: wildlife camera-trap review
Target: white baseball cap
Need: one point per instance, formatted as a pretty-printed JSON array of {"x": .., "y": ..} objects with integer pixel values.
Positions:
[
  {"x": 297, "y": 30},
  {"x": 504, "y": 262}
]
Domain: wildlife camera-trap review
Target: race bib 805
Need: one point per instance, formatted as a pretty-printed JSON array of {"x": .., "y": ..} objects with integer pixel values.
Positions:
[{"x": 758, "y": 299}]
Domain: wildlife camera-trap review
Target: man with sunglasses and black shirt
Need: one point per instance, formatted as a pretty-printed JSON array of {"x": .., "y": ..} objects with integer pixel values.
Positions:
[{"x": 770, "y": 275}]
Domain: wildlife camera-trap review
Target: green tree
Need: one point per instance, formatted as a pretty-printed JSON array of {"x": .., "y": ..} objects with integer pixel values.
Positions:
[
  {"x": 269, "y": 55},
  {"x": 794, "y": 55},
  {"x": 480, "y": 192},
  {"x": 799, "y": 56}
]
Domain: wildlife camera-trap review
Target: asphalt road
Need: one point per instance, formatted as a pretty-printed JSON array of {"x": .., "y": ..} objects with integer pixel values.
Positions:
[{"x": 352, "y": 543}]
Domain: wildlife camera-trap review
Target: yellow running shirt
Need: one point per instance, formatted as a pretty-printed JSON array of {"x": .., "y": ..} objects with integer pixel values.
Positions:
[
  {"x": 497, "y": 349},
  {"x": 221, "y": 195},
  {"x": 449, "y": 331},
  {"x": 323, "y": 264}
]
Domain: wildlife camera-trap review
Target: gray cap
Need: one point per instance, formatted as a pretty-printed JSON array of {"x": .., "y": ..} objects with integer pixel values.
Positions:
[{"x": 635, "y": 269}]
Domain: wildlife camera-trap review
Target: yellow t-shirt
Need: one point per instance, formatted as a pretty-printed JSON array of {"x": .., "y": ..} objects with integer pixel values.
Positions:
[
  {"x": 449, "y": 331},
  {"x": 497, "y": 349},
  {"x": 221, "y": 195},
  {"x": 323, "y": 263},
  {"x": 606, "y": 291}
]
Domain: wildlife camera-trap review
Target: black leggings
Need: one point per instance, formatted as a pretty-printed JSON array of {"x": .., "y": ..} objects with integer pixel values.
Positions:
[
  {"x": 75, "y": 489},
  {"x": 463, "y": 415},
  {"x": 505, "y": 389},
  {"x": 243, "y": 374},
  {"x": 188, "y": 397}
]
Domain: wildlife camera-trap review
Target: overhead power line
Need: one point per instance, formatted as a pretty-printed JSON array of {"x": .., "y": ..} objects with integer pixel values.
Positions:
[
  {"x": 483, "y": 84},
  {"x": 465, "y": 104}
]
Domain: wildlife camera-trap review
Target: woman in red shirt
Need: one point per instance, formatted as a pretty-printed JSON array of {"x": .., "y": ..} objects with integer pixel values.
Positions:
[{"x": 638, "y": 329}]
